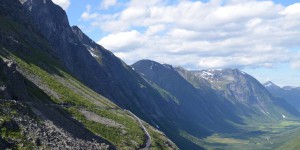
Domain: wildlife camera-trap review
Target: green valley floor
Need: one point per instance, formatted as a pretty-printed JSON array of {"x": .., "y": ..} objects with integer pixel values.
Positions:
[{"x": 281, "y": 136}]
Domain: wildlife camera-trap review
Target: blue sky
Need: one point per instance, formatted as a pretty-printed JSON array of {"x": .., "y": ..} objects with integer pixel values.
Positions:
[{"x": 259, "y": 37}]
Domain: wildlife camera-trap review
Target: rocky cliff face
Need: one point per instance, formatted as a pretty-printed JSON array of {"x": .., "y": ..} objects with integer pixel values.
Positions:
[
  {"x": 235, "y": 85},
  {"x": 90, "y": 62}
]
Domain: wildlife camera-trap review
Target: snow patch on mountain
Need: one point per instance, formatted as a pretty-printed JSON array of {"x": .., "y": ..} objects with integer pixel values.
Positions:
[
  {"x": 283, "y": 116},
  {"x": 269, "y": 84},
  {"x": 167, "y": 66},
  {"x": 206, "y": 75},
  {"x": 91, "y": 50}
]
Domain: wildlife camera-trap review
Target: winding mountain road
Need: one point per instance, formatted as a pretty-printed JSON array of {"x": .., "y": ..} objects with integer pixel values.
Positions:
[{"x": 148, "y": 143}]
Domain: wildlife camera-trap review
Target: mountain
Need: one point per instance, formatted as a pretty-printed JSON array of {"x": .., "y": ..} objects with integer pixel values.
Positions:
[
  {"x": 203, "y": 106},
  {"x": 290, "y": 94},
  {"x": 220, "y": 100},
  {"x": 246, "y": 93},
  {"x": 271, "y": 85},
  {"x": 49, "y": 75},
  {"x": 242, "y": 94}
]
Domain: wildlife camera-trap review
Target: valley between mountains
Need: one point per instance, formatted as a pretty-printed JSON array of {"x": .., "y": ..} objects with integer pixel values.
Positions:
[{"x": 61, "y": 90}]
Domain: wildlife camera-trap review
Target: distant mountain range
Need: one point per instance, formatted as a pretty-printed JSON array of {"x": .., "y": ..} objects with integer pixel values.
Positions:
[
  {"x": 290, "y": 94},
  {"x": 235, "y": 90},
  {"x": 59, "y": 89}
]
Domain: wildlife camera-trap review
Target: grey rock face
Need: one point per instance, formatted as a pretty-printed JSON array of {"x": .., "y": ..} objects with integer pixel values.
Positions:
[
  {"x": 14, "y": 87},
  {"x": 103, "y": 72},
  {"x": 43, "y": 134},
  {"x": 245, "y": 91}
]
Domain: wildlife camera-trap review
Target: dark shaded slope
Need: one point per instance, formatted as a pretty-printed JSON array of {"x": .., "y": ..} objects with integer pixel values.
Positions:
[
  {"x": 206, "y": 109},
  {"x": 104, "y": 73},
  {"x": 290, "y": 94},
  {"x": 53, "y": 93}
]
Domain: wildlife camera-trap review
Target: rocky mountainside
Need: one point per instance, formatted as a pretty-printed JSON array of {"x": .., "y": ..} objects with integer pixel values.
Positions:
[
  {"x": 290, "y": 94},
  {"x": 203, "y": 106},
  {"x": 244, "y": 91},
  {"x": 26, "y": 122},
  {"x": 95, "y": 66},
  {"x": 270, "y": 85},
  {"x": 243, "y": 95},
  {"x": 43, "y": 61}
]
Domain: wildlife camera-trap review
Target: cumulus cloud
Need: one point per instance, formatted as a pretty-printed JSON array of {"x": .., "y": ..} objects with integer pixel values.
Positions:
[
  {"x": 292, "y": 9},
  {"x": 126, "y": 41},
  {"x": 105, "y": 4},
  {"x": 63, "y": 3},
  {"x": 152, "y": 30},
  {"x": 195, "y": 34},
  {"x": 87, "y": 15}
]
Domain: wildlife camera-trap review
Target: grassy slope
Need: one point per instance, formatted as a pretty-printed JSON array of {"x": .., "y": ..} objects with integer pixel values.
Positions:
[
  {"x": 51, "y": 76},
  {"x": 292, "y": 145}
]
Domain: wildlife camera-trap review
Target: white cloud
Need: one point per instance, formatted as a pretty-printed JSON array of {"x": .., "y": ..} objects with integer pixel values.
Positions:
[
  {"x": 194, "y": 34},
  {"x": 140, "y": 3},
  {"x": 292, "y": 9},
  {"x": 152, "y": 30},
  {"x": 296, "y": 65},
  {"x": 126, "y": 41},
  {"x": 105, "y": 4},
  {"x": 63, "y": 3},
  {"x": 87, "y": 15}
]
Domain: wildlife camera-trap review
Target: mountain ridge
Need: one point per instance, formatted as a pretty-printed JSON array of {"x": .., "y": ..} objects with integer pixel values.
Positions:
[
  {"x": 291, "y": 94},
  {"x": 234, "y": 85}
]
